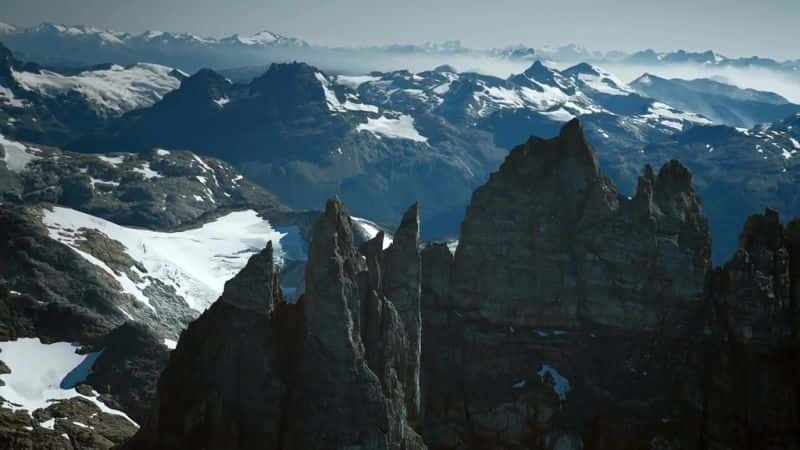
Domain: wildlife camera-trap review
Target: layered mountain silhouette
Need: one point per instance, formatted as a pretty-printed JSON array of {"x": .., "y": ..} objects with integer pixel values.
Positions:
[{"x": 590, "y": 320}]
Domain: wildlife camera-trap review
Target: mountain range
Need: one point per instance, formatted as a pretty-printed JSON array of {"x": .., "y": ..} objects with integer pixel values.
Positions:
[
  {"x": 720, "y": 102},
  {"x": 61, "y": 45},
  {"x": 557, "y": 292},
  {"x": 304, "y": 258},
  {"x": 383, "y": 140}
]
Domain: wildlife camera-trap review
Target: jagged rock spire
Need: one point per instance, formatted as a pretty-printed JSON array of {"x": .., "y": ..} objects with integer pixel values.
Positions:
[
  {"x": 357, "y": 355},
  {"x": 224, "y": 386},
  {"x": 401, "y": 277},
  {"x": 255, "y": 288}
]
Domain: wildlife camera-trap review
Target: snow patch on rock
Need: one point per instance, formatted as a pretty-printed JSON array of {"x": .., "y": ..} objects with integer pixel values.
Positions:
[
  {"x": 112, "y": 91},
  {"x": 400, "y": 128},
  {"x": 195, "y": 262},
  {"x": 43, "y": 372},
  {"x": 17, "y": 155}
]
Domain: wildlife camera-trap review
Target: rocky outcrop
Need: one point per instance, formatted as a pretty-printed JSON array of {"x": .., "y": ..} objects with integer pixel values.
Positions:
[
  {"x": 560, "y": 287},
  {"x": 127, "y": 370},
  {"x": 74, "y": 423},
  {"x": 52, "y": 292},
  {"x": 339, "y": 369},
  {"x": 751, "y": 356},
  {"x": 570, "y": 317},
  {"x": 359, "y": 373},
  {"x": 222, "y": 387}
]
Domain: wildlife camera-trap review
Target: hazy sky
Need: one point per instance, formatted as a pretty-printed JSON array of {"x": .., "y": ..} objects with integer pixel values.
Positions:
[{"x": 732, "y": 27}]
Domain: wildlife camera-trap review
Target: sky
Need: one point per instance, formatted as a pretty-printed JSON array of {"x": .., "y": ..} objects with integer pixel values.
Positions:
[{"x": 734, "y": 28}]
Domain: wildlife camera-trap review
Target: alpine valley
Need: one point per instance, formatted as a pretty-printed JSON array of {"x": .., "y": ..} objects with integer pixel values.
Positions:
[{"x": 206, "y": 243}]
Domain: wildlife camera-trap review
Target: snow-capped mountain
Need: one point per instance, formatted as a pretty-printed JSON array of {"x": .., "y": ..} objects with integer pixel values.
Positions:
[
  {"x": 104, "y": 261},
  {"x": 738, "y": 170},
  {"x": 110, "y": 91},
  {"x": 536, "y": 101},
  {"x": 304, "y": 136},
  {"x": 202, "y": 219},
  {"x": 81, "y": 45},
  {"x": 707, "y": 58},
  {"x": 369, "y": 137},
  {"x": 374, "y": 139},
  {"x": 116, "y": 38},
  {"x": 51, "y": 106},
  {"x": 380, "y": 134}
]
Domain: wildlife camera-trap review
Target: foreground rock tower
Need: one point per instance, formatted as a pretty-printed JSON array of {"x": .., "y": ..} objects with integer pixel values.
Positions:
[
  {"x": 570, "y": 317},
  {"x": 339, "y": 369},
  {"x": 554, "y": 267}
]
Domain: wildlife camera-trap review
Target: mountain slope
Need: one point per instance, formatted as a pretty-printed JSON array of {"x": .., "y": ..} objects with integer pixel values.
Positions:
[
  {"x": 305, "y": 137},
  {"x": 571, "y": 316},
  {"x": 722, "y": 103},
  {"x": 738, "y": 171},
  {"x": 331, "y": 370},
  {"x": 52, "y": 107},
  {"x": 384, "y": 139}
]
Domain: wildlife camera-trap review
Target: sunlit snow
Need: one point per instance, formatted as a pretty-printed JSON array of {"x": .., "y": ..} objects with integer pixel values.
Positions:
[
  {"x": 17, "y": 155},
  {"x": 371, "y": 230},
  {"x": 400, "y": 128},
  {"x": 112, "y": 91},
  {"x": 196, "y": 262},
  {"x": 7, "y": 97},
  {"x": 44, "y": 372},
  {"x": 354, "y": 81},
  {"x": 334, "y": 105}
]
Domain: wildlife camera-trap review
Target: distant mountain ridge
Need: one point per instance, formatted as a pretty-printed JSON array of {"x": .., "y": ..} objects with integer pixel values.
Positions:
[
  {"x": 55, "y": 43},
  {"x": 82, "y": 45},
  {"x": 375, "y": 139},
  {"x": 723, "y": 103},
  {"x": 49, "y": 106}
]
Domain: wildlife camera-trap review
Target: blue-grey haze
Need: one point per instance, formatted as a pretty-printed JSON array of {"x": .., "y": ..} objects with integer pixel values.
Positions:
[{"x": 733, "y": 27}]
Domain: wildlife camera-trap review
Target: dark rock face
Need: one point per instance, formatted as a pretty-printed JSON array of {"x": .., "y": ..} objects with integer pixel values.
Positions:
[
  {"x": 127, "y": 370},
  {"x": 77, "y": 423},
  {"x": 560, "y": 287},
  {"x": 361, "y": 376},
  {"x": 339, "y": 369},
  {"x": 63, "y": 297},
  {"x": 221, "y": 388},
  {"x": 549, "y": 237},
  {"x": 750, "y": 360},
  {"x": 570, "y": 317},
  {"x": 60, "y": 296}
]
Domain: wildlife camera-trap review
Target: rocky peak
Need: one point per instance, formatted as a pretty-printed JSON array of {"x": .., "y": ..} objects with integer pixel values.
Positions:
[
  {"x": 363, "y": 333},
  {"x": 331, "y": 292},
  {"x": 582, "y": 68},
  {"x": 566, "y": 163},
  {"x": 445, "y": 68},
  {"x": 292, "y": 83},
  {"x": 225, "y": 385},
  {"x": 7, "y": 62},
  {"x": 762, "y": 231},
  {"x": 206, "y": 82},
  {"x": 401, "y": 284},
  {"x": 339, "y": 369},
  {"x": 751, "y": 350},
  {"x": 541, "y": 73},
  {"x": 255, "y": 287},
  {"x": 549, "y": 254}
]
